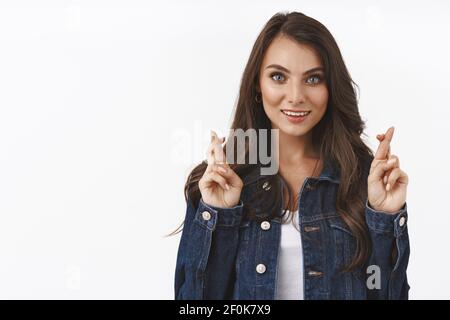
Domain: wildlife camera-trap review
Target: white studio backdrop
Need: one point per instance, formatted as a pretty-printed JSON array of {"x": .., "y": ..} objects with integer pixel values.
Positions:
[{"x": 105, "y": 107}]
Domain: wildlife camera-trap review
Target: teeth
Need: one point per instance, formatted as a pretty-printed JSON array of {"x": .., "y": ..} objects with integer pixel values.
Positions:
[{"x": 295, "y": 114}]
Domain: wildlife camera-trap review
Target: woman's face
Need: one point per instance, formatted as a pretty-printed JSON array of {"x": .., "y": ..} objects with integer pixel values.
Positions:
[{"x": 291, "y": 81}]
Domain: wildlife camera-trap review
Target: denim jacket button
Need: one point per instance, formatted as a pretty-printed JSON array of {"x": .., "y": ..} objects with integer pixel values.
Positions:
[
  {"x": 314, "y": 273},
  {"x": 265, "y": 225},
  {"x": 402, "y": 221},
  {"x": 260, "y": 268},
  {"x": 311, "y": 229},
  {"x": 266, "y": 186},
  {"x": 206, "y": 215}
]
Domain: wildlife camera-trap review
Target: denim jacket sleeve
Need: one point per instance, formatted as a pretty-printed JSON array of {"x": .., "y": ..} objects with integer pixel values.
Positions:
[
  {"x": 389, "y": 234},
  {"x": 207, "y": 252}
]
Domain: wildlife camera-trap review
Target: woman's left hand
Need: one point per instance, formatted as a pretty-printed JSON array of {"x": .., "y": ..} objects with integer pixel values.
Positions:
[{"x": 386, "y": 182}]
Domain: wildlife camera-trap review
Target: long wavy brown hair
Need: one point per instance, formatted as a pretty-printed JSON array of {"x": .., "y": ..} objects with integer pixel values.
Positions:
[{"x": 337, "y": 135}]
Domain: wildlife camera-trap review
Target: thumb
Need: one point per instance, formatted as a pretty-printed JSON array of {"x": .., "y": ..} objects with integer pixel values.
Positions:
[
  {"x": 381, "y": 167},
  {"x": 232, "y": 176}
]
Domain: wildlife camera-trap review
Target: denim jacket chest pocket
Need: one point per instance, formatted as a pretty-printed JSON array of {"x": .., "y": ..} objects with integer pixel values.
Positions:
[
  {"x": 243, "y": 258},
  {"x": 328, "y": 245},
  {"x": 344, "y": 244},
  {"x": 343, "y": 239},
  {"x": 243, "y": 248},
  {"x": 329, "y": 234}
]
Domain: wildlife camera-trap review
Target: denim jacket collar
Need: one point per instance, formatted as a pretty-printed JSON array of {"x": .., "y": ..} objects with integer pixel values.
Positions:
[{"x": 329, "y": 172}]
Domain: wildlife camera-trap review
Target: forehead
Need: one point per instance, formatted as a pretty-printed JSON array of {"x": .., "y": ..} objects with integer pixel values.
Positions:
[{"x": 289, "y": 53}]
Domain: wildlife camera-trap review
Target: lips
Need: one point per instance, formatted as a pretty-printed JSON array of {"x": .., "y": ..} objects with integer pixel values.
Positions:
[
  {"x": 296, "y": 116},
  {"x": 297, "y": 113}
]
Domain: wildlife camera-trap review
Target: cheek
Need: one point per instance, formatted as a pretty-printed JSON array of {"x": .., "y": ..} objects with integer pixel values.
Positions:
[
  {"x": 272, "y": 95},
  {"x": 319, "y": 97}
]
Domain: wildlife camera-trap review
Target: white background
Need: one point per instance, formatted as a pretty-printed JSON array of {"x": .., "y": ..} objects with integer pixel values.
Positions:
[{"x": 105, "y": 106}]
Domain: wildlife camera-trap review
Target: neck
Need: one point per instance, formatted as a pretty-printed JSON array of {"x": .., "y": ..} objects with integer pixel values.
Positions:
[{"x": 294, "y": 150}]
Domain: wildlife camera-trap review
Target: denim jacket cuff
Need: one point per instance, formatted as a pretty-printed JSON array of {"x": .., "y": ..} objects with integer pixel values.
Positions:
[
  {"x": 384, "y": 222},
  {"x": 211, "y": 217}
]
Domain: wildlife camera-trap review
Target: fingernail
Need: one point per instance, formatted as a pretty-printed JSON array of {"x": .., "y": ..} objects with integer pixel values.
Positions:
[
  {"x": 388, "y": 187},
  {"x": 227, "y": 186},
  {"x": 391, "y": 161},
  {"x": 385, "y": 179}
]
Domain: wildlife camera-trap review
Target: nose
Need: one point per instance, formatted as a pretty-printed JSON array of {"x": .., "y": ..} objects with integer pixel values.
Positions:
[{"x": 295, "y": 94}]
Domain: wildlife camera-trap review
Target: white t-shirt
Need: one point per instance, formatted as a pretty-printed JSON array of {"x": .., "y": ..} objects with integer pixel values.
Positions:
[{"x": 290, "y": 262}]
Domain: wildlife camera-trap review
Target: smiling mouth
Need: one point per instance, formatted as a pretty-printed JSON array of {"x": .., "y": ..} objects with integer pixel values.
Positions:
[{"x": 296, "y": 113}]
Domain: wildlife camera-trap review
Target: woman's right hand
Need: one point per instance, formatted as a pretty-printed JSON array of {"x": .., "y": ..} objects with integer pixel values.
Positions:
[{"x": 220, "y": 186}]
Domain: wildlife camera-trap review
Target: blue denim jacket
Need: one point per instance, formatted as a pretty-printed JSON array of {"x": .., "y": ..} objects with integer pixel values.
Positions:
[{"x": 221, "y": 256}]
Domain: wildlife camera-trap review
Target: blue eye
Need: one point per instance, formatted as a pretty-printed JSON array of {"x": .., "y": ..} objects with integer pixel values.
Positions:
[
  {"x": 318, "y": 79},
  {"x": 277, "y": 75}
]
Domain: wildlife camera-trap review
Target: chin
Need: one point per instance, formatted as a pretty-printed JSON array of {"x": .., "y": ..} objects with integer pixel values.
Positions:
[{"x": 295, "y": 131}]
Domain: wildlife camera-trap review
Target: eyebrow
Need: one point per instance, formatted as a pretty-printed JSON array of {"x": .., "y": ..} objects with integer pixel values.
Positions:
[{"x": 277, "y": 66}]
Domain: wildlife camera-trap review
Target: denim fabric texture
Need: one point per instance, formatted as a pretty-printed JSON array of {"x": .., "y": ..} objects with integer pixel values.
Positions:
[{"x": 222, "y": 256}]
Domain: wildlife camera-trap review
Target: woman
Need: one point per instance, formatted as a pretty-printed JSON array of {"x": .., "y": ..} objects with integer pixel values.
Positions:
[{"x": 331, "y": 223}]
